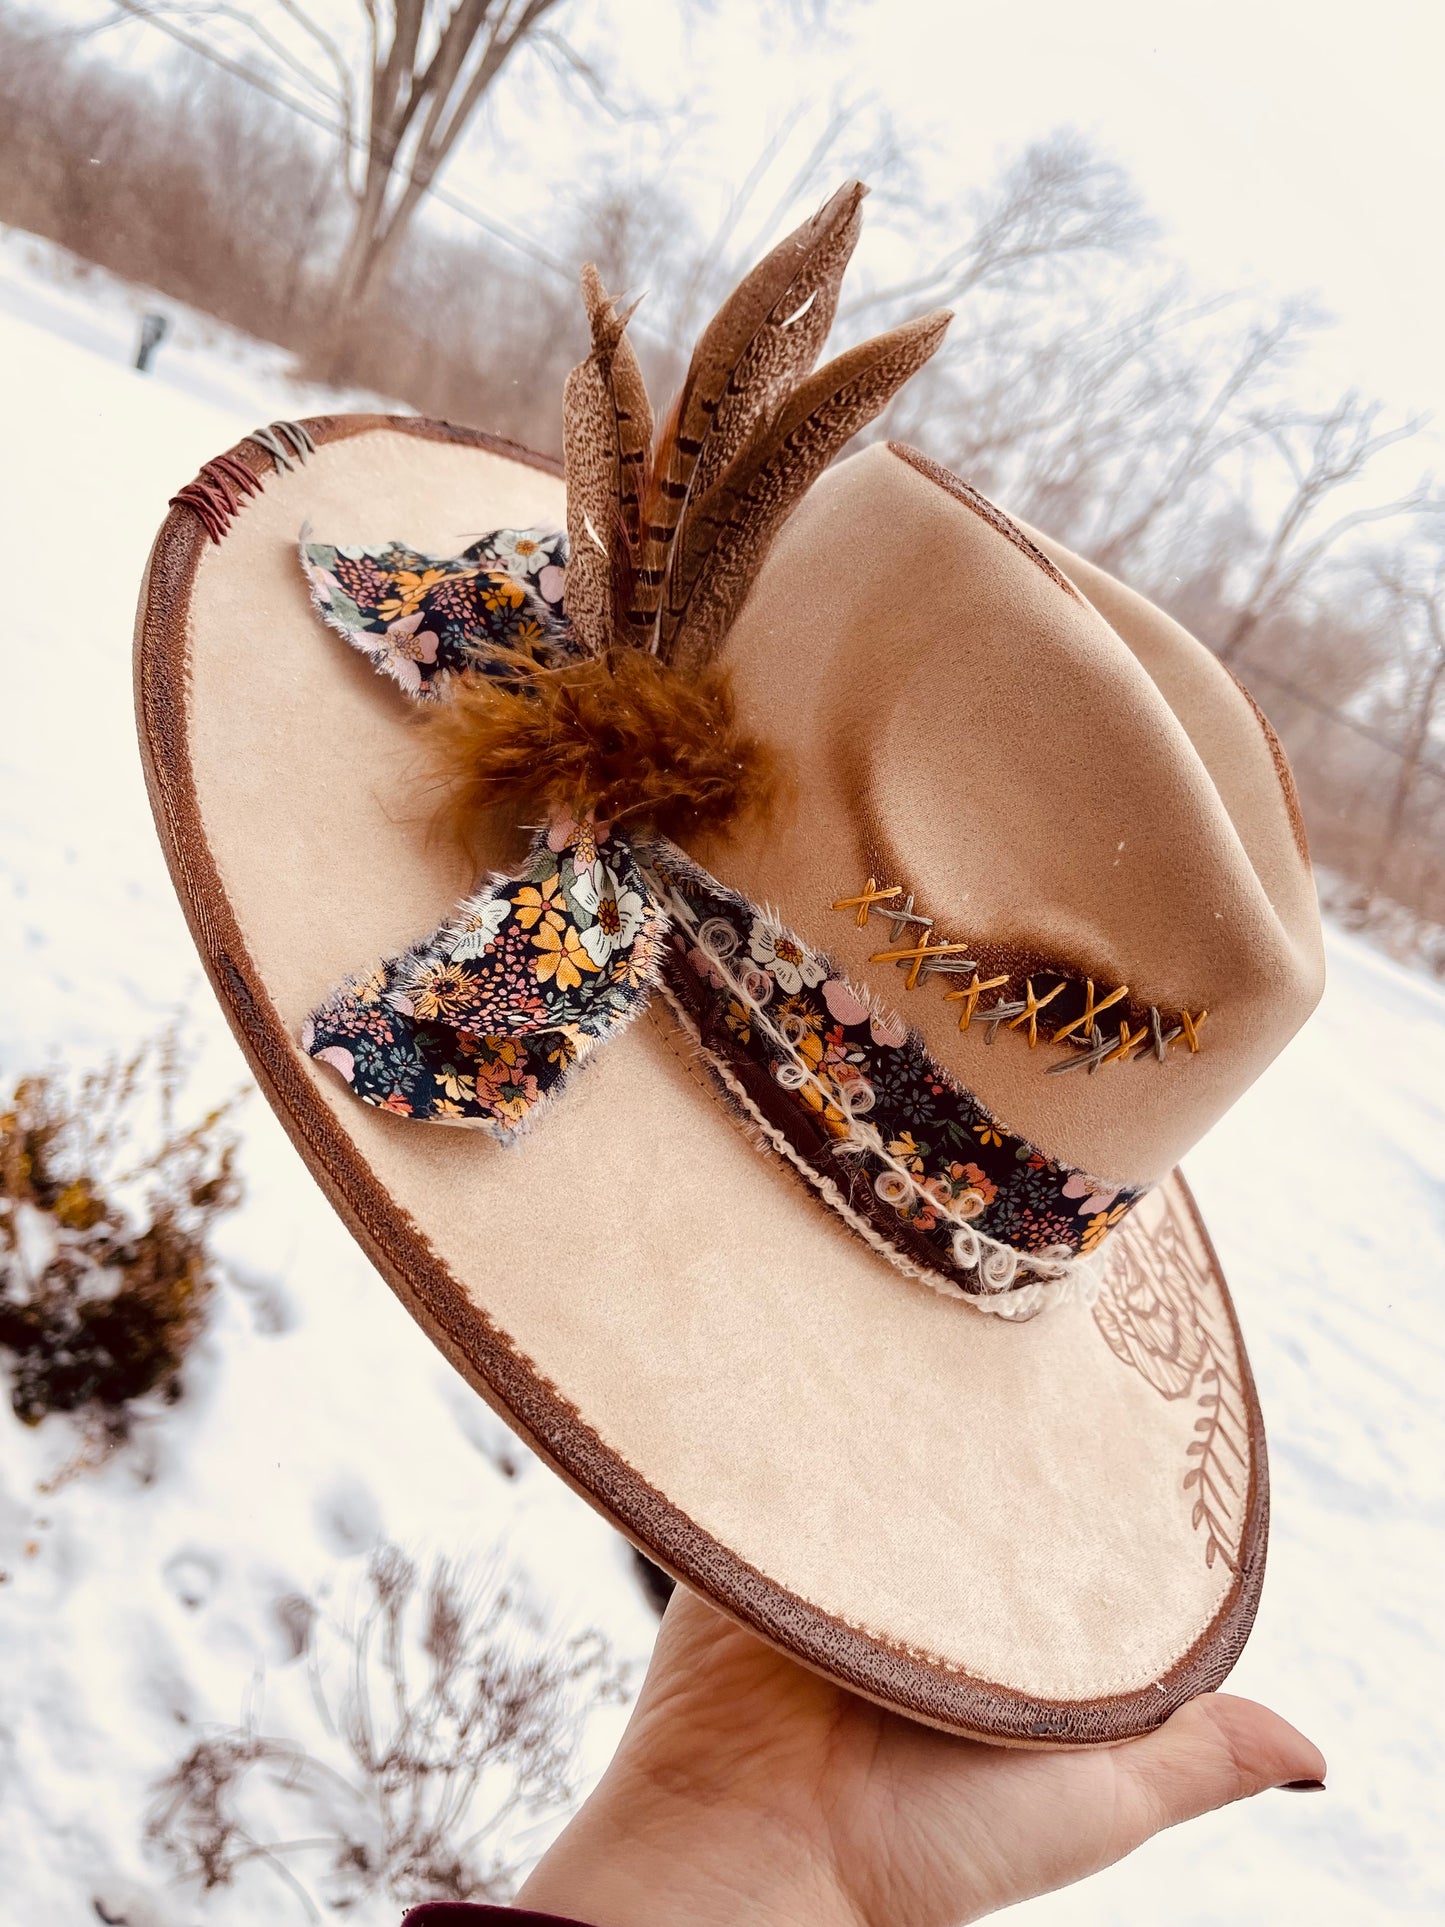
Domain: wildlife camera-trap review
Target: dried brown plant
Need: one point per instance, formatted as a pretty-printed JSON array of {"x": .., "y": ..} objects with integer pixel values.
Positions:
[
  {"x": 106, "y": 1207},
  {"x": 450, "y": 1730}
]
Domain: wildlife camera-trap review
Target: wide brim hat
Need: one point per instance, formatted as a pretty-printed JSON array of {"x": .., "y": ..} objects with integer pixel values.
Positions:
[{"x": 1035, "y": 1529}]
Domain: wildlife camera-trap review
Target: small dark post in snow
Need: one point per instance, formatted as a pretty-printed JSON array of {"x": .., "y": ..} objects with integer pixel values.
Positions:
[{"x": 152, "y": 333}]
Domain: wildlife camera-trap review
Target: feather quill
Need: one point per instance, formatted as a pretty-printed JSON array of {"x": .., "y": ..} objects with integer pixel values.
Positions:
[
  {"x": 727, "y": 531},
  {"x": 761, "y": 342}
]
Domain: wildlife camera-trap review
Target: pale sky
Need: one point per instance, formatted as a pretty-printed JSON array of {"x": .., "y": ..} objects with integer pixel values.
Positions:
[{"x": 1282, "y": 146}]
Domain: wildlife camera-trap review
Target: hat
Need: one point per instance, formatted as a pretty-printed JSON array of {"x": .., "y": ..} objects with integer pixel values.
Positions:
[{"x": 846, "y": 909}]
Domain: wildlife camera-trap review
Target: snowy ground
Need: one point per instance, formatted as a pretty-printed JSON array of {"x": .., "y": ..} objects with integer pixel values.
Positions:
[{"x": 140, "y": 1604}]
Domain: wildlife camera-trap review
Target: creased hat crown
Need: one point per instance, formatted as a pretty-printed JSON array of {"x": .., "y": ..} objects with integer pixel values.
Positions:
[{"x": 1058, "y": 776}]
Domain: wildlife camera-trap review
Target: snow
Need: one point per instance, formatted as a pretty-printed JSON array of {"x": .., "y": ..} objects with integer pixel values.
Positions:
[{"x": 144, "y": 1603}]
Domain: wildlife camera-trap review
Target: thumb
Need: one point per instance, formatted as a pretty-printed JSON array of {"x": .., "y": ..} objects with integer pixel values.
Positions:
[{"x": 1214, "y": 1750}]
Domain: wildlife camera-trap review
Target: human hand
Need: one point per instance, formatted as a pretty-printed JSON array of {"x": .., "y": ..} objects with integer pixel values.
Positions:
[{"x": 748, "y": 1792}]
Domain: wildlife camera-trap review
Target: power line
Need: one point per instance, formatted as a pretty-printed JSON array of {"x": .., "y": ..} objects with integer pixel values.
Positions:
[
  {"x": 1340, "y": 716},
  {"x": 263, "y": 84}
]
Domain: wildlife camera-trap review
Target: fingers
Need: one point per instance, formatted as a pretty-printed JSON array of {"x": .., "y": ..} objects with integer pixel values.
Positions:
[{"x": 1214, "y": 1750}]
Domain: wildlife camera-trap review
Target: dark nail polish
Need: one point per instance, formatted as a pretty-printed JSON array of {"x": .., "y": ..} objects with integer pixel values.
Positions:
[{"x": 1301, "y": 1786}]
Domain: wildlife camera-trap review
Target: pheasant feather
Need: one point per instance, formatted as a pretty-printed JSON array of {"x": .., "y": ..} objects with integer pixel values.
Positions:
[
  {"x": 606, "y": 434},
  {"x": 631, "y": 410},
  {"x": 728, "y": 530},
  {"x": 761, "y": 342}
]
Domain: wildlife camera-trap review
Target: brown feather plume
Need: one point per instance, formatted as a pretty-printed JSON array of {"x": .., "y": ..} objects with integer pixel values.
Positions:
[
  {"x": 726, "y": 533},
  {"x": 627, "y": 741},
  {"x": 641, "y": 730},
  {"x": 606, "y": 435},
  {"x": 627, "y": 394},
  {"x": 762, "y": 340}
]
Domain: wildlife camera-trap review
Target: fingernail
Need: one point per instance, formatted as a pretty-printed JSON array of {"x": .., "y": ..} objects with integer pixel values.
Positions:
[{"x": 1301, "y": 1786}]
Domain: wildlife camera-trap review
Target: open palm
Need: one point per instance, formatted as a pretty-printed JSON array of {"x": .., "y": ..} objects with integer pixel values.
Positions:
[{"x": 748, "y": 1790}]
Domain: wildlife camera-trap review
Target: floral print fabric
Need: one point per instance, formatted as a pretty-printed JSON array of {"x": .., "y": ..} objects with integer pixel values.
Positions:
[
  {"x": 479, "y": 1023},
  {"x": 422, "y": 618},
  {"x": 860, "y": 1102}
]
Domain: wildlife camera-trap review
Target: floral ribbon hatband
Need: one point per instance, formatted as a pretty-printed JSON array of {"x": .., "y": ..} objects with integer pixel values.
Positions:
[{"x": 482, "y": 1021}]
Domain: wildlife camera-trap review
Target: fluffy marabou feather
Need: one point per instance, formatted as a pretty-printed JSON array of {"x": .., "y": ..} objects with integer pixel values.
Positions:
[
  {"x": 762, "y": 340},
  {"x": 627, "y": 741}
]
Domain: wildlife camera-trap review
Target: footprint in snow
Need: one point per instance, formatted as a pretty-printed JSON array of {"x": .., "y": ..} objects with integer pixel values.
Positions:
[
  {"x": 191, "y": 1575},
  {"x": 348, "y": 1518}
]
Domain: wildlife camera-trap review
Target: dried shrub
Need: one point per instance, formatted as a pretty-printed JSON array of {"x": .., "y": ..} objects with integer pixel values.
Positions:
[
  {"x": 106, "y": 1207},
  {"x": 451, "y": 1728}
]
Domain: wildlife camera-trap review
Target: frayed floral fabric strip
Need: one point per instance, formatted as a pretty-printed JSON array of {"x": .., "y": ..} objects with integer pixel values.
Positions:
[
  {"x": 482, "y": 1021},
  {"x": 859, "y": 1103},
  {"x": 421, "y": 619}
]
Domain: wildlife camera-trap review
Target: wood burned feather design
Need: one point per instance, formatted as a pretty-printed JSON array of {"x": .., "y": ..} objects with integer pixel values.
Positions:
[{"x": 1160, "y": 1312}]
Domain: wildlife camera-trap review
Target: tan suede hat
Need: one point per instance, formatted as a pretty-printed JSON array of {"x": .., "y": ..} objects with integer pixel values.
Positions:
[{"x": 915, "y": 896}]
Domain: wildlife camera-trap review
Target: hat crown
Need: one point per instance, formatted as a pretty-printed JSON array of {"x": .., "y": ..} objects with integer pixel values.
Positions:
[{"x": 1062, "y": 781}]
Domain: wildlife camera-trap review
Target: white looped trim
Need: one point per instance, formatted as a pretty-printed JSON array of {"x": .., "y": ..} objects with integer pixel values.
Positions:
[
  {"x": 718, "y": 938},
  {"x": 999, "y": 1267},
  {"x": 1050, "y": 1277},
  {"x": 857, "y": 1097},
  {"x": 966, "y": 1247},
  {"x": 755, "y": 989}
]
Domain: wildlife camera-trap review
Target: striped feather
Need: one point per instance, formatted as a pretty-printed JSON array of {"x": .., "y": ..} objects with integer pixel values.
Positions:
[
  {"x": 761, "y": 342},
  {"x": 589, "y": 455},
  {"x": 632, "y": 412},
  {"x": 606, "y": 435},
  {"x": 728, "y": 531}
]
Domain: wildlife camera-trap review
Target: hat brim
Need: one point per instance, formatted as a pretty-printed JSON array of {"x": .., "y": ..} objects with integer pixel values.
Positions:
[{"x": 1040, "y": 1533}]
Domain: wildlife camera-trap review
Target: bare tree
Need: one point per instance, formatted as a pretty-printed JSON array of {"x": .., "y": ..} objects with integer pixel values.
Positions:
[
  {"x": 1323, "y": 454},
  {"x": 1415, "y": 598},
  {"x": 430, "y": 67},
  {"x": 1059, "y": 199},
  {"x": 1107, "y": 417},
  {"x": 1223, "y": 419},
  {"x": 400, "y": 103}
]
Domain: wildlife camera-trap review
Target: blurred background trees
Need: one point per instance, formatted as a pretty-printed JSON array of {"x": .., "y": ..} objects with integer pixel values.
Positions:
[{"x": 284, "y": 168}]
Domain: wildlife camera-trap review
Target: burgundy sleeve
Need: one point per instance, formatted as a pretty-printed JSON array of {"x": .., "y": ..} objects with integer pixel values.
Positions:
[{"x": 462, "y": 1913}]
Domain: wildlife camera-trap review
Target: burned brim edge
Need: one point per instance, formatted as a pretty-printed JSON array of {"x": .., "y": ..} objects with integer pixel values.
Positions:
[{"x": 896, "y": 1676}]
